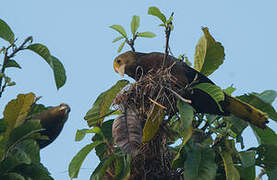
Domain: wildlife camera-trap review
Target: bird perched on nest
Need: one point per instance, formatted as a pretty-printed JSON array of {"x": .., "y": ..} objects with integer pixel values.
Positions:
[
  {"x": 52, "y": 120},
  {"x": 135, "y": 64}
]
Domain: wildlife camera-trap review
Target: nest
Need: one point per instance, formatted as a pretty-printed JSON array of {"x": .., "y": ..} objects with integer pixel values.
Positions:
[{"x": 154, "y": 88}]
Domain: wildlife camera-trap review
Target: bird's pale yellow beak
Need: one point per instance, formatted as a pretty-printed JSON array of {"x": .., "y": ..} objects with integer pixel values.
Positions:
[{"x": 120, "y": 69}]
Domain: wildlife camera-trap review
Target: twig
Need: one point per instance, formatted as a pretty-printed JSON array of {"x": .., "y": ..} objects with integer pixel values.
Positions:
[
  {"x": 179, "y": 96},
  {"x": 158, "y": 104},
  {"x": 131, "y": 42},
  {"x": 167, "y": 35},
  {"x": 7, "y": 57}
]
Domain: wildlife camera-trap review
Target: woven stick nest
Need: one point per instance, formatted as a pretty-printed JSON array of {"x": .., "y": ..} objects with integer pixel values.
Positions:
[{"x": 137, "y": 103}]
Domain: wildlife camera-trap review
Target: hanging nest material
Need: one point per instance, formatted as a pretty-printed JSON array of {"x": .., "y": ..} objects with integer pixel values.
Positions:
[{"x": 150, "y": 160}]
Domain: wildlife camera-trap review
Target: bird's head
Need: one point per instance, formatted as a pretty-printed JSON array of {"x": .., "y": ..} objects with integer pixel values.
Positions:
[{"x": 124, "y": 60}]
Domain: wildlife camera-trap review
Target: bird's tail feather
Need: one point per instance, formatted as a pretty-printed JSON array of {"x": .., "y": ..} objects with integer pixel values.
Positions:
[{"x": 246, "y": 111}]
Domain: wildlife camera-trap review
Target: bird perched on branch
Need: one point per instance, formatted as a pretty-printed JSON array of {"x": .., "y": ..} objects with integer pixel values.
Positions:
[
  {"x": 52, "y": 120},
  {"x": 135, "y": 64}
]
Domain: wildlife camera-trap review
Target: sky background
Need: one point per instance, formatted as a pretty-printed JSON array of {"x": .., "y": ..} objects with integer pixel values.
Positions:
[{"x": 78, "y": 33}]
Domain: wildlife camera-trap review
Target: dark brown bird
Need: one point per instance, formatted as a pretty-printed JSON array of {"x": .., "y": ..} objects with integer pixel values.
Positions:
[
  {"x": 52, "y": 120},
  {"x": 135, "y": 63}
]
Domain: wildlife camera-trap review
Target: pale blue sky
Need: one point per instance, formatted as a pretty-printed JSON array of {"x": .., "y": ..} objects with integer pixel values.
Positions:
[{"x": 78, "y": 33}]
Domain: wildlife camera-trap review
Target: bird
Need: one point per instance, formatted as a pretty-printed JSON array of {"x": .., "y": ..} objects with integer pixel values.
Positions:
[
  {"x": 135, "y": 64},
  {"x": 52, "y": 121}
]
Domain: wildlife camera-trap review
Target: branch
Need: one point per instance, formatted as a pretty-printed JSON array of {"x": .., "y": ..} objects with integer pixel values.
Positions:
[
  {"x": 7, "y": 58},
  {"x": 131, "y": 43},
  {"x": 167, "y": 35}
]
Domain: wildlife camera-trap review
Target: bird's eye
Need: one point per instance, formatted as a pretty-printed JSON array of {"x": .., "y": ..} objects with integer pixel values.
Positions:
[{"x": 118, "y": 61}]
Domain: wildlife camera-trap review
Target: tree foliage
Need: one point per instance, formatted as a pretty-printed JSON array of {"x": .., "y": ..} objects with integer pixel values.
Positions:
[
  {"x": 208, "y": 148},
  {"x": 19, "y": 150}
]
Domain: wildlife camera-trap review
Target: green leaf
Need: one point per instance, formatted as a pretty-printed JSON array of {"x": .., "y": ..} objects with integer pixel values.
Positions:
[
  {"x": 247, "y": 158},
  {"x": 180, "y": 157},
  {"x": 3, "y": 126},
  {"x": 101, "y": 106},
  {"x": 106, "y": 132},
  {"x": 59, "y": 72},
  {"x": 248, "y": 173},
  {"x": 146, "y": 34},
  {"x": 229, "y": 90},
  {"x": 17, "y": 109},
  {"x": 82, "y": 132},
  {"x": 153, "y": 122},
  {"x": 209, "y": 54},
  {"x": 6, "y": 32},
  {"x": 212, "y": 90},
  {"x": 267, "y": 96},
  {"x": 267, "y": 156},
  {"x": 121, "y": 46},
  {"x": 77, "y": 161},
  {"x": 12, "y": 63},
  {"x": 37, "y": 108},
  {"x": 34, "y": 171},
  {"x": 230, "y": 170},
  {"x": 258, "y": 103},
  {"x": 154, "y": 11},
  {"x": 122, "y": 167},
  {"x": 42, "y": 51},
  {"x": 200, "y": 164},
  {"x": 120, "y": 30},
  {"x": 135, "y": 25},
  {"x": 186, "y": 112},
  {"x": 117, "y": 39},
  {"x": 31, "y": 148},
  {"x": 23, "y": 132},
  {"x": 265, "y": 136},
  {"x": 101, "y": 169},
  {"x": 13, "y": 176}
]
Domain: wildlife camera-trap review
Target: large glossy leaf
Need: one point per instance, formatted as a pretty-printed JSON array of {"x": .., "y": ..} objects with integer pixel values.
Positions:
[
  {"x": 31, "y": 148},
  {"x": 78, "y": 159},
  {"x": 6, "y": 32},
  {"x": 120, "y": 30},
  {"x": 209, "y": 54},
  {"x": 101, "y": 169},
  {"x": 267, "y": 96},
  {"x": 135, "y": 25},
  {"x": 101, "y": 106},
  {"x": 23, "y": 132},
  {"x": 226, "y": 155},
  {"x": 80, "y": 134},
  {"x": 212, "y": 90},
  {"x": 106, "y": 132},
  {"x": 17, "y": 109},
  {"x": 153, "y": 123},
  {"x": 265, "y": 136},
  {"x": 156, "y": 12},
  {"x": 34, "y": 171},
  {"x": 42, "y": 51},
  {"x": 247, "y": 158},
  {"x": 186, "y": 112},
  {"x": 248, "y": 173},
  {"x": 257, "y": 101},
  {"x": 59, "y": 72},
  {"x": 200, "y": 164},
  {"x": 267, "y": 156}
]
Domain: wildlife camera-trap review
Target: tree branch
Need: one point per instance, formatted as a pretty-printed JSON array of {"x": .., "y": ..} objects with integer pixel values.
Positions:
[
  {"x": 7, "y": 58},
  {"x": 167, "y": 35}
]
